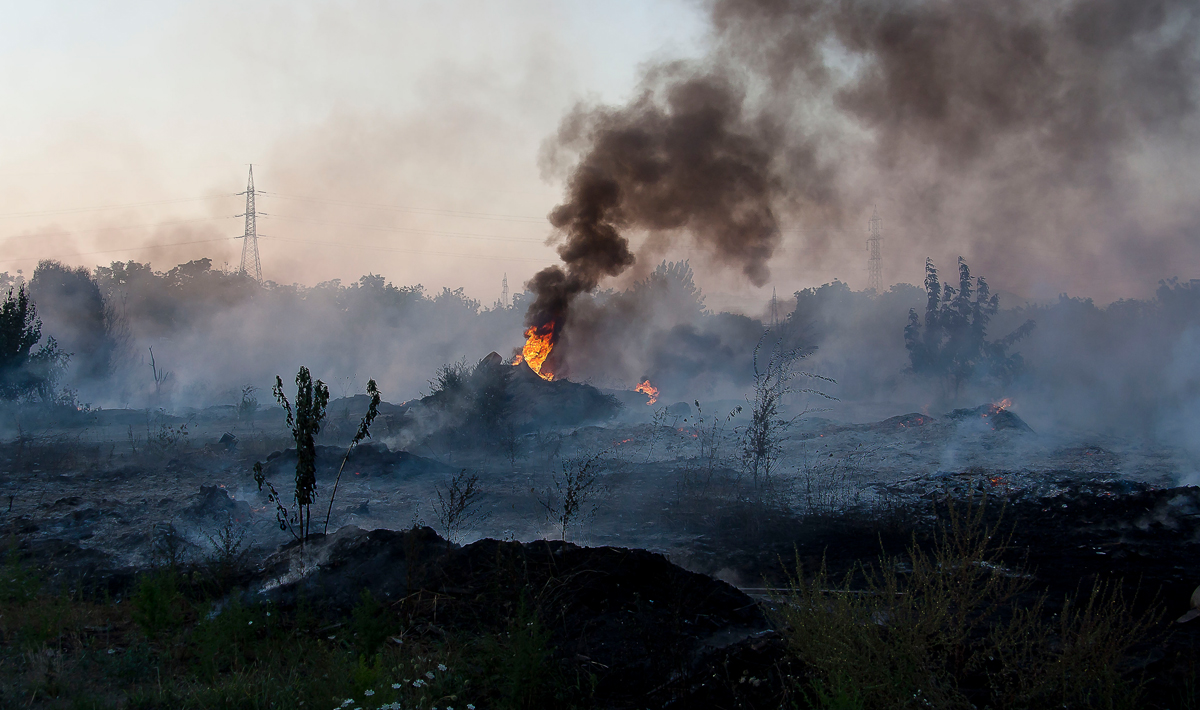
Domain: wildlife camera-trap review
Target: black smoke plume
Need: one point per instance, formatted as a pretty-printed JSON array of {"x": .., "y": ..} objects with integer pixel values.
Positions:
[
  {"x": 1009, "y": 124},
  {"x": 683, "y": 157}
]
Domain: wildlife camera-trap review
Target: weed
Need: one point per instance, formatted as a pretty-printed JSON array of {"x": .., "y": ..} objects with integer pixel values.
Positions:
[
  {"x": 578, "y": 485},
  {"x": 162, "y": 437},
  {"x": 364, "y": 430},
  {"x": 248, "y": 407},
  {"x": 305, "y": 423},
  {"x": 228, "y": 555},
  {"x": 158, "y": 604},
  {"x": 825, "y": 487},
  {"x": 926, "y": 638},
  {"x": 525, "y": 666},
  {"x": 161, "y": 377},
  {"x": 367, "y": 624},
  {"x": 19, "y": 582},
  {"x": 709, "y": 435},
  {"x": 762, "y": 437},
  {"x": 458, "y": 505}
]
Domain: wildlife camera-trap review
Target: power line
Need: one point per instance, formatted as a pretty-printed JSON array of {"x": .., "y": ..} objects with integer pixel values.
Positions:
[
  {"x": 417, "y": 210},
  {"x": 118, "y": 228},
  {"x": 74, "y": 210},
  {"x": 432, "y": 232},
  {"x": 457, "y": 255},
  {"x": 114, "y": 251}
]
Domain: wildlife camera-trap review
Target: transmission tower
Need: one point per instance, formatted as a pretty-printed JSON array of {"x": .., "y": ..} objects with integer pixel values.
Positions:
[
  {"x": 875, "y": 263},
  {"x": 504, "y": 291},
  {"x": 250, "y": 263}
]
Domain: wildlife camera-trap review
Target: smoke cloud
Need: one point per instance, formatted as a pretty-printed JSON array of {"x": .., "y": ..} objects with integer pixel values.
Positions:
[
  {"x": 683, "y": 157},
  {"x": 989, "y": 130}
]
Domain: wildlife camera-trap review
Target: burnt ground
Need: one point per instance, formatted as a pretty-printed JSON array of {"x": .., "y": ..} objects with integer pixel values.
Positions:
[{"x": 94, "y": 499}]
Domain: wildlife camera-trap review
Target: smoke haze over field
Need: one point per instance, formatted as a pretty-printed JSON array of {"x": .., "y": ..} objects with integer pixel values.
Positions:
[
  {"x": 1052, "y": 144},
  {"x": 615, "y": 160},
  {"x": 1008, "y": 132}
]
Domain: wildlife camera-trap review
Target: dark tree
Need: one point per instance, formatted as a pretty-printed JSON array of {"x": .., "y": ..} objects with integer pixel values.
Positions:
[
  {"x": 952, "y": 343},
  {"x": 74, "y": 309},
  {"x": 25, "y": 374}
]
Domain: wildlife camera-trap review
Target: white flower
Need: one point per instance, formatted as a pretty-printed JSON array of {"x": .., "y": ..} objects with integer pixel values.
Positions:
[
  {"x": 418, "y": 683},
  {"x": 429, "y": 675},
  {"x": 395, "y": 686},
  {"x": 347, "y": 702},
  {"x": 368, "y": 693},
  {"x": 470, "y": 706},
  {"x": 251, "y": 623},
  {"x": 442, "y": 668}
]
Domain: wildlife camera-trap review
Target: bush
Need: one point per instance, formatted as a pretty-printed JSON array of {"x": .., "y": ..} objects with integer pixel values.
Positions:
[
  {"x": 25, "y": 374},
  {"x": 952, "y": 343},
  {"x": 158, "y": 604},
  {"x": 948, "y": 632}
]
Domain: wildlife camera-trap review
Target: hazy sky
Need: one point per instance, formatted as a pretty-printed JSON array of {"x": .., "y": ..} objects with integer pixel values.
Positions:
[
  {"x": 437, "y": 108},
  {"x": 403, "y": 138}
]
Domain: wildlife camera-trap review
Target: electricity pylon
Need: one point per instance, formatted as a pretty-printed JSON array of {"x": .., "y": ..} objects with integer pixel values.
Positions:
[
  {"x": 250, "y": 262},
  {"x": 875, "y": 263}
]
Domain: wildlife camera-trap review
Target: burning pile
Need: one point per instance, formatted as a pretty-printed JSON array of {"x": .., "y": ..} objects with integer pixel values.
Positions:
[
  {"x": 995, "y": 414},
  {"x": 649, "y": 390},
  {"x": 539, "y": 341}
]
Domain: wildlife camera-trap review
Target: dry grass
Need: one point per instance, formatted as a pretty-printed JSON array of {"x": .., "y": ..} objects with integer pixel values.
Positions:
[{"x": 952, "y": 627}]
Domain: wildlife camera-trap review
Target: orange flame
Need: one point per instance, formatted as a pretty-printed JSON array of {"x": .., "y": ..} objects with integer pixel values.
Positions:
[
  {"x": 1002, "y": 404},
  {"x": 649, "y": 390},
  {"x": 538, "y": 344}
]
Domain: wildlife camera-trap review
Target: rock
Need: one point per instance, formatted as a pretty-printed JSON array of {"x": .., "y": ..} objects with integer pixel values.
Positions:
[
  {"x": 679, "y": 409},
  {"x": 214, "y": 502},
  {"x": 994, "y": 417}
]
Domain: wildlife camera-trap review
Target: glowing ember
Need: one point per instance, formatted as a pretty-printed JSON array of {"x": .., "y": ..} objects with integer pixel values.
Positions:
[
  {"x": 538, "y": 344},
  {"x": 649, "y": 390},
  {"x": 1002, "y": 404}
]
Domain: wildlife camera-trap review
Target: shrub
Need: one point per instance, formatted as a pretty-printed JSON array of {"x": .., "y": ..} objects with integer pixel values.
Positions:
[
  {"x": 368, "y": 625},
  {"x": 458, "y": 505},
  {"x": 567, "y": 500},
  {"x": 364, "y": 431},
  {"x": 762, "y": 437},
  {"x": 948, "y": 631},
  {"x": 305, "y": 423},
  {"x": 158, "y": 605},
  {"x": 25, "y": 374}
]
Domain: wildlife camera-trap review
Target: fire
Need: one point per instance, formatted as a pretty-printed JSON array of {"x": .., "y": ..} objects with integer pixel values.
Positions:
[
  {"x": 1002, "y": 404},
  {"x": 649, "y": 390},
  {"x": 538, "y": 344}
]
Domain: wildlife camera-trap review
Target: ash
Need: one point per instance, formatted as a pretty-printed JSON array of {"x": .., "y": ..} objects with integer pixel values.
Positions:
[{"x": 103, "y": 490}]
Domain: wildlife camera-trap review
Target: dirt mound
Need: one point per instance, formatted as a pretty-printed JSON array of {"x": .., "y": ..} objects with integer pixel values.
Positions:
[
  {"x": 629, "y": 617},
  {"x": 492, "y": 402},
  {"x": 213, "y": 502},
  {"x": 904, "y": 421},
  {"x": 995, "y": 417}
]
